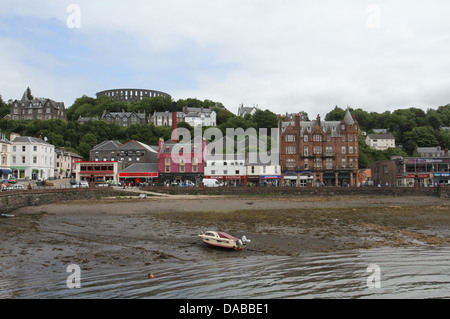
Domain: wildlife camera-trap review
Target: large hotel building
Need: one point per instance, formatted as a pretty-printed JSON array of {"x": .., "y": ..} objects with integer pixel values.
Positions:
[{"x": 319, "y": 153}]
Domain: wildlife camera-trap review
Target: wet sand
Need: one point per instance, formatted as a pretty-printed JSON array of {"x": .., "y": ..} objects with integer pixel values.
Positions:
[{"x": 131, "y": 231}]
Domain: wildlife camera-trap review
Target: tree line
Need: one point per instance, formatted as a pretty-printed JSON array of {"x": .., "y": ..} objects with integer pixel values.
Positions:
[{"x": 411, "y": 127}]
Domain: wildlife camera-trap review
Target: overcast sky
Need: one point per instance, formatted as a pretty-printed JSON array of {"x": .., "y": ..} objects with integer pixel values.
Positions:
[{"x": 285, "y": 55}]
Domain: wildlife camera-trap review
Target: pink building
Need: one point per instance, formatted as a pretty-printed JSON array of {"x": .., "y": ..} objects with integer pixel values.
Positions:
[{"x": 181, "y": 163}]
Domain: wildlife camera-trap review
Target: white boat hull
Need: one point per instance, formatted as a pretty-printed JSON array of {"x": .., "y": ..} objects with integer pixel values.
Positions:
[{"x": 220, "y": 239}]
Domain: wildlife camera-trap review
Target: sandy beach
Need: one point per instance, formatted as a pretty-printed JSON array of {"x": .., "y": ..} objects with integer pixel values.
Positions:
[{"x": 126, "y": 232}]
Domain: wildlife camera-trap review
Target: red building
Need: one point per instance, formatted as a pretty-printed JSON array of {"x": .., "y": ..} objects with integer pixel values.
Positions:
[
  {"x": 96, "y": 171},
  {"x": 319, "y": 153}
]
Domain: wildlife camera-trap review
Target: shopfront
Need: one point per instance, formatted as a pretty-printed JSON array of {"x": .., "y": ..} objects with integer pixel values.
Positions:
[
  {"x": 140, "y": 173},
  {"x": 5, "y": 173},
  {"x": 442, "y": 179},
  {"x": 410, "y": 180},
  {"x": 303, "y": 179},
  {"x": 270, "y": 180},
  {"x": 97, "y": 171},
  {"x": 19, "y": 172}
]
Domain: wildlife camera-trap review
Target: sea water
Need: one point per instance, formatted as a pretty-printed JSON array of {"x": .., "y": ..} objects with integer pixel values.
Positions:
[{"x": 422, "y": 272}]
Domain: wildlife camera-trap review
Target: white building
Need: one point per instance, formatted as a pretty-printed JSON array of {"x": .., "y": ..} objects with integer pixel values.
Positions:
[
  {"x": 165, "y": 118},
  {"x": 31, "y": 158},
  {"x": 380, "y": 141},
  {"x": 262, "y": 174},
  {"x": 228, "y": 170},
  {"x": 242, "y": 110},
  {"x": 195, "y": 116},
  {"x": 191, "y": 115},
  {"x": 5, "y": 149}
]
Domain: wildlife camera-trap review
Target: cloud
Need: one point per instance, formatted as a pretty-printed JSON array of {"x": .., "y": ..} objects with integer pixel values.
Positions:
[{"x": 286, "y": 56}]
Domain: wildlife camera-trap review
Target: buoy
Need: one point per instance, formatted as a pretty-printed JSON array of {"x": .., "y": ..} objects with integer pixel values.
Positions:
[{"x": 151, "y": 276}]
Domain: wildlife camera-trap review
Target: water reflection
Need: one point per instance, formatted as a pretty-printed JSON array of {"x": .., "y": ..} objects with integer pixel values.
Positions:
[{"x": 405, "y": 273}]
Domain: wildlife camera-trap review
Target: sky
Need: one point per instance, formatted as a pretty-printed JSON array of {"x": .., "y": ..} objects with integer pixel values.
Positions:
[{"x": 281, "y": 55}]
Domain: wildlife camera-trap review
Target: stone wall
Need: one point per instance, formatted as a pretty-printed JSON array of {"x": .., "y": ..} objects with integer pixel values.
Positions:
[
  {"x": 10, "y": 201},
  {"x": 297, "y": 191}
]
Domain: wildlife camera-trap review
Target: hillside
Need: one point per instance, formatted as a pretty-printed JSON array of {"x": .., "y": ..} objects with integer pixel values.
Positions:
[{"x": 411, "y": 126}]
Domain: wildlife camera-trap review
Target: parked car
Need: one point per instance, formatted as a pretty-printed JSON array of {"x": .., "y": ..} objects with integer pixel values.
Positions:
[
  {"x": 101, "y": 183},
  {"x": 12, "y": 180},
  {"x": 18, "y": 187},
  {"x": 84, "y": 184},
  {"x": 211, "y": 182}
]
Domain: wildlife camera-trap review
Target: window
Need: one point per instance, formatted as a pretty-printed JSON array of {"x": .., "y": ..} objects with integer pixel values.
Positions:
[
  {"x": 343, "y": 150},
  {"x": 317, "y": 150},
  {"x": 290, "y": 150},
  {"x": 344, "y": 162},
  {"x": 253, "y": 169},
  {"x": 290, "y": 138},
  {"x": 317, "y": 138},
  {"x": 167, "y": 165},
  {"x": 343, "y": 138},
  {"x": 317, "y": 163},
  {"x": 306, "y": 163},
  {"x": 305, "y": 138},
  {"x": 306, "y": 151},
  {"x": 290, "y": 162},
  {"x": 329, "y": 150},
  {"x": 351, "y": 162},
  {"x": 328, "y": 138},
  {"x": 34, "y": 148},
  {"x": 182, "y": 166},
  {"x": 23, "y": 159},
  {"x": 329, "y": 163},
  {"x": 35, "y": 160},
  {"x": 194, "y": 164},
  {"x": 350, "y": 149},
  {"x": 24, "y": 148}
]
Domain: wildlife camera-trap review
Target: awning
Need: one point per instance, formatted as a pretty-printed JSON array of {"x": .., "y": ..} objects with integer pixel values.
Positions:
[{"x": 5, "y": 171}]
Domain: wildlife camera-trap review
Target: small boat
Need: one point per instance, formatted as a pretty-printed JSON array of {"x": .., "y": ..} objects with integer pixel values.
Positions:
[{"x": 222, "y": 239}]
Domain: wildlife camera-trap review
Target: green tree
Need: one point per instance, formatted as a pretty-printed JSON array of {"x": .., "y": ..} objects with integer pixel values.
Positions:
[
  {"x": 4, "y": 108},
  {"x": 265, "y": 119},
  {"x": 29, "y": 95},
  {"x": 420, "y": 136},
  {"x": 337, "y": 114}
]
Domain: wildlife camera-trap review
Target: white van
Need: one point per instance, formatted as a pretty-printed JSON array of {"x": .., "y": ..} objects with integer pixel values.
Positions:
[{"x": 211, "y": 182}]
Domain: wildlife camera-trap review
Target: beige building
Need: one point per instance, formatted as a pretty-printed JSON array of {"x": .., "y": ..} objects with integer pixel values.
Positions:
[
  {"x": 65, "y": 163},
  {"x": 5, "y": 154},
  {"x": 380, "y": 141}
]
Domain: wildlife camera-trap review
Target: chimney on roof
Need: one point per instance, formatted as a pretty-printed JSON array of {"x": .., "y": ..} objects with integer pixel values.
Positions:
[
  {"x": 297, "y": 121},
  {"x": 174, "y": 122},
  {"x": 13, "y": 135}
]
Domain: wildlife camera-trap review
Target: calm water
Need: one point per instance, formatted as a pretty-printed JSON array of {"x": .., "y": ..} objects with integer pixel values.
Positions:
[{"x": 404, "y": 273}]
